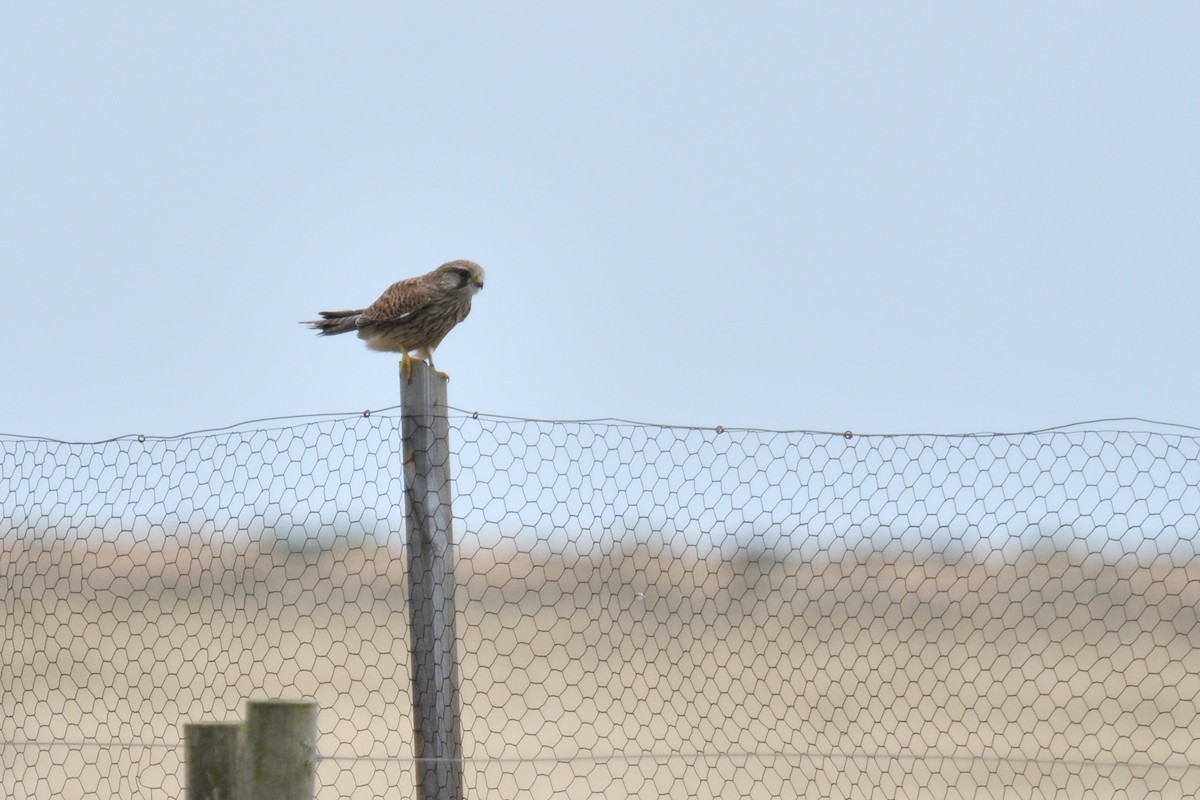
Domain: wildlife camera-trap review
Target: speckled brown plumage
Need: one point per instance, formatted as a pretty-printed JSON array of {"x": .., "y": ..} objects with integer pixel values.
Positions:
[{"x": 413, "y": 315}]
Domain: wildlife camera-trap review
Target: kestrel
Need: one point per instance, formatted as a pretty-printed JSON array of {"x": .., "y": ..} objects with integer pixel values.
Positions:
[{"x": 414, "y": 314}]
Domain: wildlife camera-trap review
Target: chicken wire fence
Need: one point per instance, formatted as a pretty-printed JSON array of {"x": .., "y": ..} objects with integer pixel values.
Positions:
[{"x": 643, "y": 611}]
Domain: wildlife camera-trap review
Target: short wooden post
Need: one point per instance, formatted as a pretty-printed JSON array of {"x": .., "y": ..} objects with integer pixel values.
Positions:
[
  {"x": 279, "y": 750},
  {"x": 437, "y": 738},
  {"x": 210, "y": 754}
]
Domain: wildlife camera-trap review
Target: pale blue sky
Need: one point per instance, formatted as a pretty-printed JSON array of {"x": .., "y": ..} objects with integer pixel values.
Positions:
[{"x": 882, "y": 217}]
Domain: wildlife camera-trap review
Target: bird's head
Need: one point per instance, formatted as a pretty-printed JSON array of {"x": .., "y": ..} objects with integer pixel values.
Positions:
[{"x": 461, "y": 276}]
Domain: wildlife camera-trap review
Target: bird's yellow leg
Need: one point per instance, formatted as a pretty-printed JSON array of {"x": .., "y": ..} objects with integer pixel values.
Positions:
[
  {"x": 426, "y": 354},
  {"x": 436, "y": 371},
  {"x": 406, "y": 366}
]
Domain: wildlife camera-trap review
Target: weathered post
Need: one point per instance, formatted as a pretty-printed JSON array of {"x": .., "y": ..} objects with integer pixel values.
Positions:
[
  {"x": 210, "y": 754},
  {"x": 279, "y": 750},
  {"x": 437, "y": 739}
]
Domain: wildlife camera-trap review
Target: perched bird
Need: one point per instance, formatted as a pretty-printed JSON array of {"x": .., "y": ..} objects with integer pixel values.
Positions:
[{"x": 414, "y": 314}]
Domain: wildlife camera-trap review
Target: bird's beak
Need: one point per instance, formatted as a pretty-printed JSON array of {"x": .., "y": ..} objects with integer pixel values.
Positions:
[{"x": 477, "y": 283}]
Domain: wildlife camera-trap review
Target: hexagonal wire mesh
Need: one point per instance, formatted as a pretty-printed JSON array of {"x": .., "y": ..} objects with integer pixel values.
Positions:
[{"x": 642, "y": 610}]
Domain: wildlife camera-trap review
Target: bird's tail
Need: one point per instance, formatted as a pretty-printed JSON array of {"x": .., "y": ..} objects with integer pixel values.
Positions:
[{"x": 332, "y": 322}]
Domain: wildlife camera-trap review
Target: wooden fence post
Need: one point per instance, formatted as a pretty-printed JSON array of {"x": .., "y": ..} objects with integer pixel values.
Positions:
[
  {"x": 437, "y": 738},
  {"x": 210, "y": 756},
  {"x": 279, "y": 750}
]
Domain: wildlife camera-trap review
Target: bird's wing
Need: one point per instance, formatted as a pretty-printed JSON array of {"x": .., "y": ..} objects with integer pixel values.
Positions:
[{"x": 401, "y": 299}]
